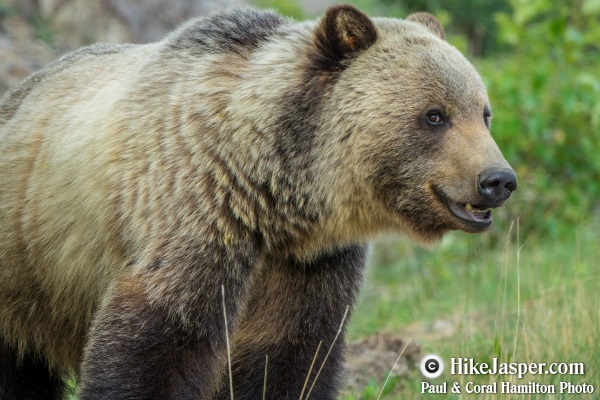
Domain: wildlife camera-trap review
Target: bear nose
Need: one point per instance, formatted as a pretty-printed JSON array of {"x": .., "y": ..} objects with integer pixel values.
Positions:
[{"x": 497, "y": 184}]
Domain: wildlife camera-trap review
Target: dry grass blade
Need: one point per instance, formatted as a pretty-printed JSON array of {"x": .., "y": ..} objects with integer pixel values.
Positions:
[
  {"x": 310, "y": 369},
  {"x": 518, "y": 290},
  {"x": 328, "y": 352},
  {"x": 227, "y": 342},
  {"x": 393, "y": 367},
  {"x": 265, "y": 382}
]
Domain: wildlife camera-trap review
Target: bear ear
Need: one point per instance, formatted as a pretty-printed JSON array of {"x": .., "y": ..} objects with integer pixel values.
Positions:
[
  {"x": 344, "y": 31},
  {"x": 429, "y": 22}
]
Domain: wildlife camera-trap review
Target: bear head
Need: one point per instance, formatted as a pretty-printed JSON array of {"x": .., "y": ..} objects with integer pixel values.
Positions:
[{"x": 415, "y": 117}]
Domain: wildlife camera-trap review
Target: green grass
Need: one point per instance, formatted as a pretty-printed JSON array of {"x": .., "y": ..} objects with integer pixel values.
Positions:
[{"x": 520, "y": 301}]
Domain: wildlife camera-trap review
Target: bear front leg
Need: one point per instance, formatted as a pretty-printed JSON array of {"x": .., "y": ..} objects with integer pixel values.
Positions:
[
  {"x": 292, "y": 306},
  {"x": 136, "y": 351},
  {"x": 160, "y": 333}
]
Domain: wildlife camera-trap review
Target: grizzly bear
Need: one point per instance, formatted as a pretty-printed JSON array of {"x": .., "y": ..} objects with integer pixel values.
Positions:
[{"x": 246, "y": 153}]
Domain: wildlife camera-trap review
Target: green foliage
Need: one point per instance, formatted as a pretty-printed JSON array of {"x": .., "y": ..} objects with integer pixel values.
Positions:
[
  {"x": 545, "y": 93},
  {"x": 472, "y": 19},
  {"x": 373, "y": 389},
  {"x": 381, "y": 8},
  {"x": 6, "y": 10},
  {"x": 289, "y": 8},
  {"x": 370, "y": 391},
  {"x": 43, "y": 30},
  {"x": 41, "y": 26}
]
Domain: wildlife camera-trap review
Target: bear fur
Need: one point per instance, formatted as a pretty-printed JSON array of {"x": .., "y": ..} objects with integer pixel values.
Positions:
[{"x": 245, "y": 151}]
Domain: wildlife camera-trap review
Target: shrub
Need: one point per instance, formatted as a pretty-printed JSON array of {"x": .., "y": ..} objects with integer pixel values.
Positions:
[{"x": 545, "y": 93}]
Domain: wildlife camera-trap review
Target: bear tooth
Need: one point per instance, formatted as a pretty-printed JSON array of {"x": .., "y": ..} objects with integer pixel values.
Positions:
[{"x": 468, "y": 207}]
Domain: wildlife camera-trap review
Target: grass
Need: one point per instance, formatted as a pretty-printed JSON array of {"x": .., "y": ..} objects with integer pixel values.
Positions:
[{"x": 520, "y": 301}]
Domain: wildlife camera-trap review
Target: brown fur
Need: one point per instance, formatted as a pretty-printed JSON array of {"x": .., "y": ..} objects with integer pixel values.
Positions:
[{"x": 243, "y": 150}]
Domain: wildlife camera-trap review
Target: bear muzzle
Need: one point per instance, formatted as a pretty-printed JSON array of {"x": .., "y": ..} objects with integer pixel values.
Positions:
[{"x": 494, "y": 187}]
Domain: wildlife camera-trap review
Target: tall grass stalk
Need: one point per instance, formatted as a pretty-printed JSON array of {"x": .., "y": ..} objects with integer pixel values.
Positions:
[
  {"x": 328, "y": 351},
  {"x": 227, "y": 343}
]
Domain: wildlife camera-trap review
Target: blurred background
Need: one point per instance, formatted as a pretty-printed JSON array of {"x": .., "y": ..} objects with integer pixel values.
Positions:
[{"x": 528, "y": 290}]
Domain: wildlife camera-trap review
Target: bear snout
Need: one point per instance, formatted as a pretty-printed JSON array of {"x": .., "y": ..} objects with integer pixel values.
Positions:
[{"x": 496, "y": 185}]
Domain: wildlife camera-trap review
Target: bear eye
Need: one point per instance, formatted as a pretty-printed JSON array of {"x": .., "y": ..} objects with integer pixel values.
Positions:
[
  {"x": 487, "y": 116},
  {"x": 434, "y": 118}
]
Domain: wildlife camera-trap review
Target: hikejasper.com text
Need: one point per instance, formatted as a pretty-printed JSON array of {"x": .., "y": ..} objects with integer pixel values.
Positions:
[{"x": 468, "y": 366}]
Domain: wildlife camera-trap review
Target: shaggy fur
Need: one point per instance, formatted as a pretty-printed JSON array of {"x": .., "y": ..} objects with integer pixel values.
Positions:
[{"x": 243, "y": 150}]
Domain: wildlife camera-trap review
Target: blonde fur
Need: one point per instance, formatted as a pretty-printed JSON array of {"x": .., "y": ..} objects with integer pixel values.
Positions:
[{"x": 116, "y": 160}]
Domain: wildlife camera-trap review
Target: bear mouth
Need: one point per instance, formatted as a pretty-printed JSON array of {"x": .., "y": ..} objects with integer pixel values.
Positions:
[{"x": 477, "y": 217}]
